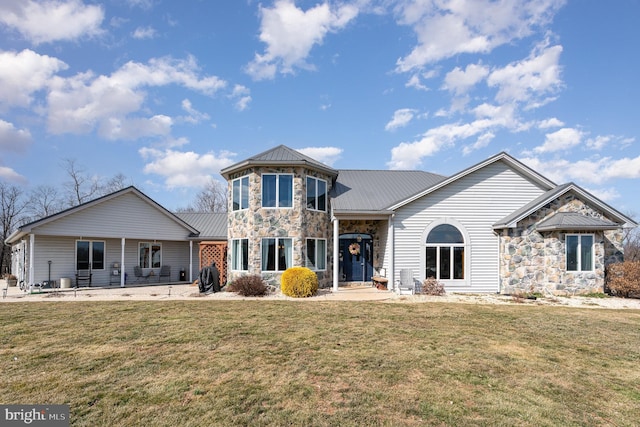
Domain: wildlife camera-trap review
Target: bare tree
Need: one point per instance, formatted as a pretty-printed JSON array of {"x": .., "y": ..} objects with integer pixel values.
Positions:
[
  {"x": 44, "y": 200},
  {"x": 118, "y": 182},
  {"x": 212, "y": 198},
  {"x": 81, "y": 187},
  {"x": 12, "y": 206}
]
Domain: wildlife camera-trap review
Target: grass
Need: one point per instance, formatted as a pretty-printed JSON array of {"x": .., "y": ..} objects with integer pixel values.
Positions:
[{"x": 207, "y": 363}]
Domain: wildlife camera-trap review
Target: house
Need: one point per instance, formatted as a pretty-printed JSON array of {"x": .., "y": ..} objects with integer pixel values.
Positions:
[{"x": 497, "y": 226}]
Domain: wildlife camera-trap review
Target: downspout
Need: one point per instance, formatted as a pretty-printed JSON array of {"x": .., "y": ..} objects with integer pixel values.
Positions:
[{"x": 336, "y": 253}]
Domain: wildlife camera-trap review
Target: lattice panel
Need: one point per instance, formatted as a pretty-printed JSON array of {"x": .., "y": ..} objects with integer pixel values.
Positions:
[{"x": 215, "y": 252}]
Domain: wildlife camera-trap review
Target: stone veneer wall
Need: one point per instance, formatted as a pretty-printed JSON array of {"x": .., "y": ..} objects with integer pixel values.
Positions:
[
  {"x": 376, "y": 228},
  {"x": 297, "y": 223},
  {"x": 533, "y": 261}
]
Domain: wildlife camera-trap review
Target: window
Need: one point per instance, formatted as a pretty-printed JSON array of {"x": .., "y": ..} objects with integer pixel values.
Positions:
[
  {"x": 316, "y": 194},
  {"x": 445, "y": 253},
  {"x": 277, "y": 254},
  {"x": 150, "y": 255},
  {"x": 316, "y": 254},
  {"x": 89, "y": 255},
  {"x": 579, "y": 252},
  {"x": 240, "y": 193},
  {"x": 240, "y": 254},
  {"x": 277, "y": 190}
]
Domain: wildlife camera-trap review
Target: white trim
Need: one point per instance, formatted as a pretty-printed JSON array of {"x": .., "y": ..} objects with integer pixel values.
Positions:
[
  {"x": 336, "y": 254},
  {"x": 326, "y": 193},
  {"x": 240, "y": 195},
  {"x": 314, "y": 266},
  {"x": 579, "y": 252},
  {"x": 277, "y": 175}
]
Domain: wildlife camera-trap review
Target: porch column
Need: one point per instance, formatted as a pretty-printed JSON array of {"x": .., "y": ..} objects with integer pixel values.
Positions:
[
  {"x": 336, "y": 254},
  {"x": 191, "y": 261},
  {"x": 32, "y": 245},
  {"x": 122, "y": 269},
  {"x": 392, "y": 243}
]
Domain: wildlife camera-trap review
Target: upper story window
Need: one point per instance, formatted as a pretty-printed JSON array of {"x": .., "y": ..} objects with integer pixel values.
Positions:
[
  {"x": 240, "y": 193},
  {"x": 277, "y": 190},
  {"x": 579, "y": 252},
  {"x": 316, "y": 194}
]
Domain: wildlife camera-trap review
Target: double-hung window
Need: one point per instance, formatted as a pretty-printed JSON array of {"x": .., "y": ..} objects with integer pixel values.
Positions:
[
  {"x": 89, "y": 255},
  {"x": 316, "y": 194},
  {"x": 150, "y": 255},
  {"x": 277, "y": 190},
  {"x": 277, "y": 254},
  {"x": 316, "y": 254},
  {"x": 240, "y": 193},
  {"x": 579, "y": 252},
  {"x": 240, "y": 254}
]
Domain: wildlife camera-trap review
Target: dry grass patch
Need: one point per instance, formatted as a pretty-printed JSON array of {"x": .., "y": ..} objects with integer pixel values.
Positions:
[{"x": 192, "y": 363}]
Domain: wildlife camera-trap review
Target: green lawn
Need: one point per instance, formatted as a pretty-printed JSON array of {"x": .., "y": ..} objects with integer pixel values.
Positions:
[{"x": 202, "y": 363}]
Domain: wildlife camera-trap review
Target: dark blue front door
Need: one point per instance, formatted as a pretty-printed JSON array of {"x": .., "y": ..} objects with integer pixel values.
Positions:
[{"x": 356, "y": 257}]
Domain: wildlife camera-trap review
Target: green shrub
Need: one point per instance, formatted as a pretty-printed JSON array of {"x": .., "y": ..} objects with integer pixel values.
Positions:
[
  {"x": 431, "y": 286},
  {"x": 299, "y": 282},
  {"x": 624, "y": 278},
  {"x": 249, "y": 286}
]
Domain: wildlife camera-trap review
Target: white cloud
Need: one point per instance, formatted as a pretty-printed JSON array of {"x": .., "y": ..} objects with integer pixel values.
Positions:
[
  {"x": 12, "y": 139},
  {"x": 550, "y": 123},
  {"x": 51, "y": 20},
  {"x": 415, "y": 82},
  {"x": 290, "y": 33},
  {"x": 181, "y": 169},
  {"x": 529, "y": 79},
  {"x": 605, "y": 194},
  {"x": 560, "y": 140},
  {"x": 144, "y": 33},
  {"x": 194, "y": 116},
  {"x": 10, "y": 175},
  {"x": 326, "y": 155},
  {"x": 593, "y": 171},
  {"x": 482, "y": 141},
  {"x": 446, "y": 29},
  {"x": 23, "y": 73},
  {"x": 599, "y": 142},
  {"x": 460, "y": 81},
  {"x": 401, "y": 118},
  {"x": 84, "y": 102},
  {"x": 242, "y": 97}
]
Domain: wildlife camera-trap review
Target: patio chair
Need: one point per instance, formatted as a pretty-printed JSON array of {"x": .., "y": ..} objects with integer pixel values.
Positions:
[
  {"x": 84, "y": 276},
  {"x": 165, "y": 271},
  {"x": 407, "y": 284},
  {"x": 139, "y": 275}
]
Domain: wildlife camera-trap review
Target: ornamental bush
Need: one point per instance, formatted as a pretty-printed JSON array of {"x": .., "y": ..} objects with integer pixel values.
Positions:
[
  {"x": 299, "y": 282},
  {"x": 249, "y": 286},
  {"x": 624, "y": 278}
]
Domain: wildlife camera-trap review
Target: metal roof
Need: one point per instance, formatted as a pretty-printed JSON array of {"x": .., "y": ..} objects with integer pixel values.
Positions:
[
  {"x": 374, "y": 191},
  {"x": 212, "y": 226},
  {"x": 574, "y": 221},
  {"x": 279, "y": 156}
]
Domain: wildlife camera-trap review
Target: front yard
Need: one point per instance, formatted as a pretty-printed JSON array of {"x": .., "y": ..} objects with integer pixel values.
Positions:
[{"x": 193, "y": 363}]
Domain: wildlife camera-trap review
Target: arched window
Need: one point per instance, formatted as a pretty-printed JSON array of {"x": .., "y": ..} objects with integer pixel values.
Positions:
[{"x": 445, "y": 253}]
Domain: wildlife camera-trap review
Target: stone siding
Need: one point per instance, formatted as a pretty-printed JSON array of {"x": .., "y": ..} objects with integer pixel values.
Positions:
[
  {"x": 534, "y": 261},
  {"x": 297, "y": 223}
]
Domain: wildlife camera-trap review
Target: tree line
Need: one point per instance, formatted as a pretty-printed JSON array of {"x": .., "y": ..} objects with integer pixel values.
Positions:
[{"x": 19, "y": 206}]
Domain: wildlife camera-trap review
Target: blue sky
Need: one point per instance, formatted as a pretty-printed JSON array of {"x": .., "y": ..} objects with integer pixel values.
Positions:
[{"x": 168, "y": 93}]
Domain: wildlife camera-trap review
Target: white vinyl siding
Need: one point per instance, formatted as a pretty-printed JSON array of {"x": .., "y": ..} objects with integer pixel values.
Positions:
[{"x": 476, "y": 202}]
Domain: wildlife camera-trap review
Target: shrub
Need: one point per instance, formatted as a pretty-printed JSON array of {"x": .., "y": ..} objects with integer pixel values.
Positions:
[
  {"x": 431, "y": 286},
  {"x": 299, "y": 282},
  {"x": 624, "y": 278},
  {"x": 249, "y": 286}
]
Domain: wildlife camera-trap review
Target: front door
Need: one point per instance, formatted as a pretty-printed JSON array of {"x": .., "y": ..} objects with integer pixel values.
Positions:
[{"x": 356, "y": 255}]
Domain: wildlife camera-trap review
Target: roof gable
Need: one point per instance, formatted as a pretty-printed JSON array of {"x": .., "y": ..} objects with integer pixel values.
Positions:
[
  {"x": 79, "y": 209},
  {"x": 501, "y": 157},
  {"x": 512, "y": 220}
]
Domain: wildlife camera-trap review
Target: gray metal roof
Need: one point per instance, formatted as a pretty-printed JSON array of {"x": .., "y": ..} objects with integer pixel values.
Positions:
[
  {"x": 279, "y": 156},
  {"x": 574, "y": 221},
  {"x": 370, "y": 191},
  {"x": 212, "y": 226},
  {"x": 532, "y": 206}
]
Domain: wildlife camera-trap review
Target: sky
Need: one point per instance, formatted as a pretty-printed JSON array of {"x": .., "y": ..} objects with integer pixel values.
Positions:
[{"x": 168, "y": 93}]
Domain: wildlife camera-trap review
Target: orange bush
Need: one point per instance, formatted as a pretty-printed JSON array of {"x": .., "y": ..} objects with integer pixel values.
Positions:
[{"x": 624, "y": 278}]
